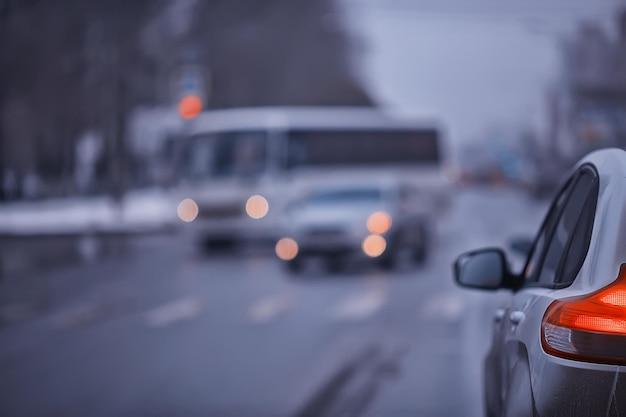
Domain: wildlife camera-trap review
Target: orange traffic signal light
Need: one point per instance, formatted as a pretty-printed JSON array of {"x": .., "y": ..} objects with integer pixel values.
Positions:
[{"x": 189, "y": 107}]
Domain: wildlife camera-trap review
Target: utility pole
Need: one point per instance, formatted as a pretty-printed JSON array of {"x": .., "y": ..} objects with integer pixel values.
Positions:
[
  {"x": 2, "y": 167},
  {"x": 118, "y": 154}
]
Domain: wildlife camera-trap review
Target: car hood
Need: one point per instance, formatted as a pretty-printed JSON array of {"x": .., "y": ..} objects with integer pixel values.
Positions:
[{"x": 340, "y": 216}]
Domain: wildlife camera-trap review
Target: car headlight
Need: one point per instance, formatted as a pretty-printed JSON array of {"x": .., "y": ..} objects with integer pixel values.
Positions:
[
  {"x": 374, "y": 245},
  {"x": 286, "y": 249},
  {"x": 187, "y": 210},
  {"x": 257, "y": 207},
  {"x": 379, "y": 223}
]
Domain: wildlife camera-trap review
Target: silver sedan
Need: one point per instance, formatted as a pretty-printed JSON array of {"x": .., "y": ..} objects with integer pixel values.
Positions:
[{"x": 559, "y": 345}]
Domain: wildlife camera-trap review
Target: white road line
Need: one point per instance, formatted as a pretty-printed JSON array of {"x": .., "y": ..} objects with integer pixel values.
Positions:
[
  {"x": 269, "y": 308},
  {"x": 444, "y": 306},
  {"x": 77, "y": 316},
  {"x": 184, "y": 309},
  {"x": 360, "y": 306}
]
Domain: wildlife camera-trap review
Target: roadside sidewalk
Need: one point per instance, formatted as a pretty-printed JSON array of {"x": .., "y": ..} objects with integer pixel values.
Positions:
[
  {"x": 49, "y": 233},
  {"x": 74, "y": 292}
]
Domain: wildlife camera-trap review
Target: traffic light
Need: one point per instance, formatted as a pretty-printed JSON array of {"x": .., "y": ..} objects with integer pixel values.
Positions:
[{"x": 190, "y": 106}]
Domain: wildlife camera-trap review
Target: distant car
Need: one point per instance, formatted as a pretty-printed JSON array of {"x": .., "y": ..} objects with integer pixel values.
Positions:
[
  {"x": 366, "y": 219},
  {"x": 559, "y": 345}
]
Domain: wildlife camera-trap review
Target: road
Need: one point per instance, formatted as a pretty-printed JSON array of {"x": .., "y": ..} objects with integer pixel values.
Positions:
[{"x": 162, "y": 331}]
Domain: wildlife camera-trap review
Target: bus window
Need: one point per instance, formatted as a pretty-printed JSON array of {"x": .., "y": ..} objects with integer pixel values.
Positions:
[{"x": 362, "y": 147}]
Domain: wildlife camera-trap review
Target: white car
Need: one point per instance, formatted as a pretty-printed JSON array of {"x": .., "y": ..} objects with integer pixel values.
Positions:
[
  {"x": 559, "y": 343},
  {"x": 366, "y": 219}
]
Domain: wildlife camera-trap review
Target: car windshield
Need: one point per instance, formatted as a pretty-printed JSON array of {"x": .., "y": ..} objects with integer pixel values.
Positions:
[{"x": 346, "y": 196}]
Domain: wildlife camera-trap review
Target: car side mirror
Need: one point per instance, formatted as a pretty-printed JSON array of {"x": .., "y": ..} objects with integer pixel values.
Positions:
[
  {"x": 521, "y": 245},
  {"x": 484, "y": 269}
]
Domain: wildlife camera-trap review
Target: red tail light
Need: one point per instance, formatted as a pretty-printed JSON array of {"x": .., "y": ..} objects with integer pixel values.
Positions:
[{"x": 589, "y": 328}]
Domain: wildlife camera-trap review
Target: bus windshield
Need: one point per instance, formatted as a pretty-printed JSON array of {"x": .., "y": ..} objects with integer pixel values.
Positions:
[{"x": 224, "y": 154}]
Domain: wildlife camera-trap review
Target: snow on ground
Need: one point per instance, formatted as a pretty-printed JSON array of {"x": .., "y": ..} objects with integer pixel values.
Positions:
[{"x": 139, "y": 211}]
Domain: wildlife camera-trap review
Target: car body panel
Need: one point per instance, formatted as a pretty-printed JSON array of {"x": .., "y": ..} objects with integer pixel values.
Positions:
[{"x": 521, "y": 378}]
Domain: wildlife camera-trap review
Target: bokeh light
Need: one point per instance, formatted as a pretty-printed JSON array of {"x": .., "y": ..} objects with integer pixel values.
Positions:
[
  {"x": 379, "y": 223},
  {"x": 257, "y": 207},
  {"x": 189, "y": 107},
  {"x": 187, "y": 210},
  {"x": 286, "y": 249},
  {"x": 374, "y": 245}
]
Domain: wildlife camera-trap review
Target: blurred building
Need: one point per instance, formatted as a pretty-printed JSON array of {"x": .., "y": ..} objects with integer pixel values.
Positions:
[
  {"x": 89, "y": 66},
  {"x": 588, "y": 108}
]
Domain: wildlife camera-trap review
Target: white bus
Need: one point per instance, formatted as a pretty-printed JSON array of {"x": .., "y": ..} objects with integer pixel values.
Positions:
[{"x": 240, "y": 167}]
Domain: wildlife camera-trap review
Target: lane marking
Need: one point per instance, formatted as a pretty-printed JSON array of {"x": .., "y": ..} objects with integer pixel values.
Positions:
[
  {"x": 180, "y": 310},
  {"x": 446, "y": 306},
  {"x": 359, "y": 306},
  {"x": 269, "y": 308},
  {"x": 81, "y": 315}
]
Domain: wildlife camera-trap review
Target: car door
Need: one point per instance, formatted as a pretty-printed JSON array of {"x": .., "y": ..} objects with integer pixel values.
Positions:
[{"x": 555, "y": 259}]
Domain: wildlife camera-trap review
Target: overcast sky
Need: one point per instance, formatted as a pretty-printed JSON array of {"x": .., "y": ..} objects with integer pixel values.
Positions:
[{"x": 477, "y": 68}]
